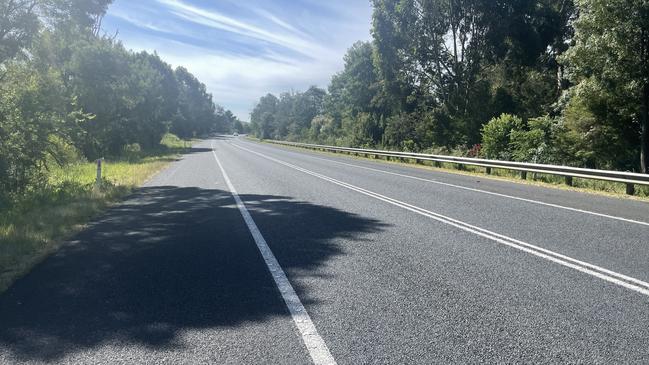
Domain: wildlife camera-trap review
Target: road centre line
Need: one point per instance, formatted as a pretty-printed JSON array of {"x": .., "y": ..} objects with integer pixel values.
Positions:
[
  {"x": 584, "y": 267},
  {"x": 487, "y": 192},
  {"x": 315, "y": 345}
]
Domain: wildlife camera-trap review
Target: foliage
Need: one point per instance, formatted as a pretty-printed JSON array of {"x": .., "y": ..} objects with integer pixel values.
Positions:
[
  {"x": 18, "y": 25},
  {"x": 68, "y": 94},
  {"x": 196, "y": 111},
  {"x": 497, "y": 135},
  {"x": 549, "y": 81},
  {"x": 32, "y": 113},
  {"x": 290, "y": 115},
  {"x": 322, "y": 128},
  {"x": 240, "y": 127},
  {"x": 609, "y": 65},
  {"x": 538, "y": 142},
  {"x": 467, "y": 61}
]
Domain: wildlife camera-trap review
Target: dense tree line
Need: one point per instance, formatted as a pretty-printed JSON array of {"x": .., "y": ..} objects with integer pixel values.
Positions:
[
  {"x": 67, "y": 92},
  {"x": 552, "y": 81},
  {"x": 290, "y": 114}
]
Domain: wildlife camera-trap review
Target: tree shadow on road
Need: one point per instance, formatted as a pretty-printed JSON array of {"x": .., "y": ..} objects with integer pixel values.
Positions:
[{"x": 167, "y": 260}]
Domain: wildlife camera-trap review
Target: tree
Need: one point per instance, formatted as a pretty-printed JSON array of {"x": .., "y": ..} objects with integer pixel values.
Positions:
[
  {"x": 306, "y": 106},
  {"x": 155, "y": 96},
  {"x": 19, "y": 24},
  {"x": 33, "y": 114},
  {"x": 65, "y": 89},
  {"x": 196, "y": 111},
  {"x": 241, "y": 127},
  {"x": 284, "y": 115},
  {"x": 354, "y": 91},
  {"x": 609, "y": 65},
  {"x": 262, "y": 118},
  {"x": 322, "y": 128},
  {"x": 21, "y": 20},
  {"x": 463, "y": 62},
  {"x": 101, "y": 79}
]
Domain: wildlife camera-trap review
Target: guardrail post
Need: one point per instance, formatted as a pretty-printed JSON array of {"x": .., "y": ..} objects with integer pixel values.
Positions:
[
  {"x": 488, "y": 170},
  {"x": 569, "y": 180},
  {"x": 630, "y": 189},
  {"x": 437, "y": 164},
  {"x": 524, "y": 175}
]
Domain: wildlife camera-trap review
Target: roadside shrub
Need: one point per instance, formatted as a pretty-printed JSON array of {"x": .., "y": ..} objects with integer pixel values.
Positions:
[
  {"x": 534, "y": 144},
  {"x": 496, "y": 136},
  {"x": 409, "y": 146},
  {"x": 132, "y": 151},
  {"x": 31, "y": 111}
]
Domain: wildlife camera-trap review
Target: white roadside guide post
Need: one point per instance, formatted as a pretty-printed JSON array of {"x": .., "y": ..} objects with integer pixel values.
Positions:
[{"x": 98, "y": 180}]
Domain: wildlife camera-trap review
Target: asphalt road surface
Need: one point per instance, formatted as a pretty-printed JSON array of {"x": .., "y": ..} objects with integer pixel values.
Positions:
[{"x": 244, "y": 253}]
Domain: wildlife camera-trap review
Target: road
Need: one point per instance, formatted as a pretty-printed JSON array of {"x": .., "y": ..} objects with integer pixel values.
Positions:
[{"x": 243, "y": 252}]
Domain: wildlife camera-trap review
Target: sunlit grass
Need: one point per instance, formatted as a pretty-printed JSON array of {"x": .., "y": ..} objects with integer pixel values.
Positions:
[{"x": 36, "y": 223}]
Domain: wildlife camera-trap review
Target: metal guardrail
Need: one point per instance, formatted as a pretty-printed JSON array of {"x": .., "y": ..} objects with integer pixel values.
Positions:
[{"x": 628, "y": 178}]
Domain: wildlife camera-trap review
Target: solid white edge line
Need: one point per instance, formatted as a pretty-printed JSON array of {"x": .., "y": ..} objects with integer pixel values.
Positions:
[
  {"x": 315, "y": 345},
  {"x": 594, "y": 270},
  {"x": 488, "y": 192}
]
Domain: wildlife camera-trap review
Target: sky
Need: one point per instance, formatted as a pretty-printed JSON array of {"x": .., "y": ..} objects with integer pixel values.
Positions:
[{"x": 245, "y": 49}]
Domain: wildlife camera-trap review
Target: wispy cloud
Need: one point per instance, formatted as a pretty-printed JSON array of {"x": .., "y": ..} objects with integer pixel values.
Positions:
[
  {"x": 242, "y": 50},
  {"x": 144, "y": 23},
  {"x": 276, "y": 20},
  {"x": 218, "y": 20}
]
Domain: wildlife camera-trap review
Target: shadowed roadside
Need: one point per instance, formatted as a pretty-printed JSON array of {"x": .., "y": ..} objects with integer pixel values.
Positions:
[{"x": 167, "y": 260}]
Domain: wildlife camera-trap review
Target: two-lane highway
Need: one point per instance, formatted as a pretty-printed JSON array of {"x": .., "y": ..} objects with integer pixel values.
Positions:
[{"x": 251, "y": 253}]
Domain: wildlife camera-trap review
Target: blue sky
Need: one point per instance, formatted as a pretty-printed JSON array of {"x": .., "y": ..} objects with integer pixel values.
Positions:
[{"x": 244, "y": 49}]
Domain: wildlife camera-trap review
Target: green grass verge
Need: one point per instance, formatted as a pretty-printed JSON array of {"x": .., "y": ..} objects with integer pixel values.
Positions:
[
  {"x": 35, "y": 224},
  {"x": 606, "y": 188}
]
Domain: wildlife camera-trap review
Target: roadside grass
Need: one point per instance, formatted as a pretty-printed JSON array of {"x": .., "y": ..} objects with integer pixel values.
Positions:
[
  {"x": 607, "y": 188},
  {"x": 35, "y": 224}
]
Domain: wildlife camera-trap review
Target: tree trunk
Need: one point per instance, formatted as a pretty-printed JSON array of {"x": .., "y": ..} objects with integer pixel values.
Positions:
[
  {"x": 644, "y": 134},
  {"x": 644, "y": 148}
]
